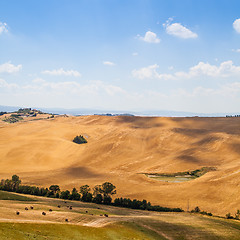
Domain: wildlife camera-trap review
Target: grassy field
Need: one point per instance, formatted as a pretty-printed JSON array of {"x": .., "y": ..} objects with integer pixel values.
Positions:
[
  {"x": 87, "y": 221},
  {"x": 12, "y": 196},
  {"x": 64, "y": 231},
  {"x": 171, "y": 179}
]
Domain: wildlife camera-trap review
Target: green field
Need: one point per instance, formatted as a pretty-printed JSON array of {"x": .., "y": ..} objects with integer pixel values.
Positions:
[
  {"x": 171, "y": 179},
  {"x": 11, "y": 196},
  {"x": 64, "y": 231}
]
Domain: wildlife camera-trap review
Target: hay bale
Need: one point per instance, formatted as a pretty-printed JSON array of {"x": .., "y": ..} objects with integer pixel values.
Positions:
[
  {"x": 17, "y": 212},
  {"x": 43, "y": 213},
  {"x": 26, "y": 208}
]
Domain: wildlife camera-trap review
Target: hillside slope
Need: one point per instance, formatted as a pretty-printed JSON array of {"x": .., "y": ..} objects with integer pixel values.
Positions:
[{"x": 119, "y": 148}]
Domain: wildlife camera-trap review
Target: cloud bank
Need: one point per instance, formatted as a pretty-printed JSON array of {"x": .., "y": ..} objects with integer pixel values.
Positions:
[{"x": 224, "y": 70}]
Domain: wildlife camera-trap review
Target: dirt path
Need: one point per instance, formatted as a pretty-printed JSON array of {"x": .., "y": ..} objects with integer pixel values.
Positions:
[{"x": 158, "y": 232}]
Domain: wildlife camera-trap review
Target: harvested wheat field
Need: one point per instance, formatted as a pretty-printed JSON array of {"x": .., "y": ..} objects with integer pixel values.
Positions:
[
  {"x": 120, "y": 149},
  {"x": 88, "y": 221}
]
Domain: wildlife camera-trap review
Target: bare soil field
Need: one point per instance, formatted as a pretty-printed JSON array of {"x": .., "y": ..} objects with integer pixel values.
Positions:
[{"x": 120, "y": 148}]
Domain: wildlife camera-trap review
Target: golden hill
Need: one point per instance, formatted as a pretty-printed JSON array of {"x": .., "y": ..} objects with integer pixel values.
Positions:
[{"x": 119, "y": 148}]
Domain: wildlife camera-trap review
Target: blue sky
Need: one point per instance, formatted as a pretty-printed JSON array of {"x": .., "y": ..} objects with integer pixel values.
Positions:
[{"x": 121, "y": 55}]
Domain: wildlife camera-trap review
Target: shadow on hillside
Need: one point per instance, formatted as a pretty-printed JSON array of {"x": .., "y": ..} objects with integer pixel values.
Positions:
[
  {"x": 188, "y": 158},
  {"x": 211, "y": 124},
  {"x": 82, "y": 172},
  {"x": 191, "y": 132},
  {"x": 140, "y": 122}
]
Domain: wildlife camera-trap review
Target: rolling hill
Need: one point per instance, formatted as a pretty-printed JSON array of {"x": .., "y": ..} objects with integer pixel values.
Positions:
[{"x": 121, "y": 148}]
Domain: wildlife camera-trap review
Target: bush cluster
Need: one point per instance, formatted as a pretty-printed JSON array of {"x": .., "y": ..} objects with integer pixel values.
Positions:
[
  {"x": 79, "y": 139},
  {"x": 143, "y": 205},
  {"x": 237, "y": 215},
  {"x": 197, "y": 210}
]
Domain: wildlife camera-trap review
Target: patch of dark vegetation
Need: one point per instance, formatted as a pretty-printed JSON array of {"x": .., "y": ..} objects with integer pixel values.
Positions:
[
  {"x": 13, "y": 118},
  {"x": 23, "y": 112},
  {"x": 143, "y": 205},
  {"x": 79, "y": 139},
  {"x": 233, "y": 115},
  {"x": 197, "y": 210},
  {"x": 101, "y": 194},
  {"x": 237, "y": 215},
  {"x": 194, "y": 174}
]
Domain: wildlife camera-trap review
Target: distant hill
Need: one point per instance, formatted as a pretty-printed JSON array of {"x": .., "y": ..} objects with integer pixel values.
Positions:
[{"x": 86, "y": 111}]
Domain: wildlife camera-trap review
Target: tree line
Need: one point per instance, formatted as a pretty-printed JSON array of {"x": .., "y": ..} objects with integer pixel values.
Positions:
[{"x": 100, "y": 194}]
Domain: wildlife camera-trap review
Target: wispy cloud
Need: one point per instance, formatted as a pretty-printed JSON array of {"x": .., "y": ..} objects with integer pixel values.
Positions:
[
  {"x": 236, "y": 50},
  {"x": 236, "y": 25},
  {"x": 150, "y": 37},
  {"x": 178, "y": 30},
  {"x": 61, "y": 72},
  {"x": 3, "y": 27},
  {"x": 108, "y": 63},
  {"x": 224, "y": 70},
  {"x": 10, "y": 68}
]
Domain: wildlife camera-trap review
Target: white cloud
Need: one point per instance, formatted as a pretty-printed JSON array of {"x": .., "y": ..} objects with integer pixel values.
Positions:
[
  {"x": 146, "y": 72},
  {"x": 151, "y": 72},
  {"x": 10, "y": 68},
  {"x": 236, "y": 25},
  {"x": 6, "y": 85},
  {"x": 236, "y": 50},
  {"x": 61, "y": 72},
  {"x": 224, "y": 70},
  {"x": 108, "y": 63},
  {"x": 135, "y": 54},
  {"x": 39, "y": 85},
  {"x": 178, "y": 30},
  {"x": 3, "y": 27},
  {"x": 38, "y": 80},
  {"x": 150, "y": 37}
]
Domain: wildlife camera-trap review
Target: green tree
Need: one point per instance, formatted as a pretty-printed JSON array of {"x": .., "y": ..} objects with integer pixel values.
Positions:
[
  {"x": 86, "y": 195},
  {"x": 54, "y": 188},
  {"x": 75, "y": 195},
  {"x": 84, "y": 189},
  {"x": 79, "y": 139},
  {"x": 108, "y": 189},
  {"x": 98, "y": 199},
  {"x": 97, "y": 190},
  {"x": 15, "y": 182}
]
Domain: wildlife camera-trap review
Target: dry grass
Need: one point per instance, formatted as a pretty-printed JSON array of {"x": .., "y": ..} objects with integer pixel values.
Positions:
[
  {"x": 85, "y": 222},
  {"x": 42, "y": 153}
]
